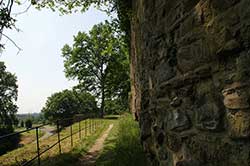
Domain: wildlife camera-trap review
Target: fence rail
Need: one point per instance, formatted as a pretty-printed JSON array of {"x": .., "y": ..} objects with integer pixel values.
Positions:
[{"x": 90, "y": 125}]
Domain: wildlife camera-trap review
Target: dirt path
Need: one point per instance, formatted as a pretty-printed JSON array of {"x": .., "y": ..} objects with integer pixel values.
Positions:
[
  {"x": 90, "y": 158},
  {"x": 49, "y": 131},
  {"x": 31, "y": 137}
]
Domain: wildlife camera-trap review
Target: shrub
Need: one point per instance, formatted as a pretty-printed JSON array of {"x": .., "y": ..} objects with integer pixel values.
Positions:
[
  {"x": 22, "y": 124},
  {"x": 28, "y": 124},
  {"x": 9, "y": 143}
]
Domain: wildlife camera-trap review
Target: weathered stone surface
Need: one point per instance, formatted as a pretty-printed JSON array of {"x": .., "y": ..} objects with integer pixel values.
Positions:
[
  {"x": 236, "y": 97},
  {"x": 208, "y": 117},
  {"x": 239, "y": 124},
  {"x": 190, "y": 70},
  {"x": 178, "y": 121}
]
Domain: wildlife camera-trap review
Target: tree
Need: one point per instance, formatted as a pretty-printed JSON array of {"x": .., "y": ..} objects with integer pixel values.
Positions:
[
  {"x": 6, "y": 20},
  {"x": 28, "y": 123},
  {"x": 66, "y": 104},
  {"x": 99, "y": 61},
  {"x": 8, "y": 108},
  {"x": 123, "y": 8},
  {"x": 69, "y": 6},
  {"x": 86, "y": 101},
  {"x": 8, "y": 97},
  {"x": 22, "y": 124},
  {"x": 16, "y": 122}
]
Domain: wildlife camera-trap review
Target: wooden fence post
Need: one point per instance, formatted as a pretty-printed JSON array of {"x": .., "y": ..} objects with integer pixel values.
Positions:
[
  {"x": 71, "y": 136},
  {"x": 80, "y": 136},
  {"x": 86, "y": 127},
  {"x": 58, "y": 136}
]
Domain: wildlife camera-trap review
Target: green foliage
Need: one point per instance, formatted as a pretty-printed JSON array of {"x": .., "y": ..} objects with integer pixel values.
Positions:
[
  {"x": 9, "y": 143},
  {"x": 68, "y": 103},
  {"x": 99, "y": 61},
  {"x": 123, "y": 8},
  {"x": 15, "y": 122},
  {"x": 8, "y": 109},
  {"x": 6, "y": 20},
  {"x": 128, "y": 149},
  {"x": 37, "y": 118},
  {"x": 8, "y": 93},
  {"x": 22, "y": 124},
  {"x": 69, "y": 6},
  {"x": 87, "y": 103},
  {"x": 114, "y": 107},
  {"x": 123, "y": 146},
  {"x": 124, "y": 12},
  {"x": 28, "y": 123}
]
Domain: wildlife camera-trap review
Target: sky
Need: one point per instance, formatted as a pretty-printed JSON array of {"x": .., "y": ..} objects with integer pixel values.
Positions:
[{"x": 39, "y": 66}]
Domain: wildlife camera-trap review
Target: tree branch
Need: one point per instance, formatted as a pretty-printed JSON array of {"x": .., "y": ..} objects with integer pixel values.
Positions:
[
  {"x": 22, "y": 12},
  {"x": 12, "y": 41}
]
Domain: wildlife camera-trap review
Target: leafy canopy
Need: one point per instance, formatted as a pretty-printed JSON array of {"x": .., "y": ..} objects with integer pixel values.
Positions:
[
  {"x": 69, "y": 6},
  {"x": 123, "y": 8},
  {"x": 68, "y": 103},
  {"x": 99, "y": 61},
  {"x": 8, "y": 108},
  {"x": 8, "y": 96}
]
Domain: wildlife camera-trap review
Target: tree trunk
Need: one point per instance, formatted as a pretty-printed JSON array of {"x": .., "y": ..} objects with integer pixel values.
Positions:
[{"x": 102, "y": 100}]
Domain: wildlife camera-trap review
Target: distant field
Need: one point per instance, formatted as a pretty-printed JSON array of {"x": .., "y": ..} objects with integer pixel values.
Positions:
[{"x": 28, "y": 151}]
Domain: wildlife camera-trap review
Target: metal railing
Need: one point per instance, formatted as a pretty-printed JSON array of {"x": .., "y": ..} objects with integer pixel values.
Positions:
[{"x": 89, "y": 126}]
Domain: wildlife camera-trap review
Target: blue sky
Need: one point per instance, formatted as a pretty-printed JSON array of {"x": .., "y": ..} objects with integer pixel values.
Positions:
[{"x": 39, "y": 66}]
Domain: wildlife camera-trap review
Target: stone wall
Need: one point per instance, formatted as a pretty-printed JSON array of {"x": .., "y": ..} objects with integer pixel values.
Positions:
[{"x": 190, "y": 68}]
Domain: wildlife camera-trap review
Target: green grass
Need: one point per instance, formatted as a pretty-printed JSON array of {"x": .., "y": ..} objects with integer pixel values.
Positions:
[
  {"x": 122, "y": 147},
  {"x": 29, "y": 151},
  {"x": 29, "y": 136},
  {"x": 72, "y": 157}
]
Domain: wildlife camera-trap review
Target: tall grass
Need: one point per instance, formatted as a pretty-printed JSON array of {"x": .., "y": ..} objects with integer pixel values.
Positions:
[{"x": 123, "y": 148}]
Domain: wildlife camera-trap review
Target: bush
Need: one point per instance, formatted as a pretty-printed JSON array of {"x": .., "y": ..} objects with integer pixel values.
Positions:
[
  {"x": 22, "y": 124},
  {"x": 10, "y": 143},
  {"x": 114, "y": 107},
  {"x": 67, "y": 104},
  {"x": 28, "y": 124}
]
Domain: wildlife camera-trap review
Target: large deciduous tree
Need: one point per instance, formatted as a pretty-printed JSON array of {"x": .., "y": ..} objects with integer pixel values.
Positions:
[{"x": 99, "y": 61}]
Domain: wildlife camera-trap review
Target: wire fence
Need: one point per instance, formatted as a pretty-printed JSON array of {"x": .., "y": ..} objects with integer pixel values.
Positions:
[{"x": 86, "y": 125}]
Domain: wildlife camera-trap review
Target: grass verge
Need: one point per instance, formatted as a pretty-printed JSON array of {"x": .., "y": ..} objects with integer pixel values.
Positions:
[
  {"x": 72, "y": 157},
  {"x": 122, "y": 147},
  {"x": 29, "y": 136}
]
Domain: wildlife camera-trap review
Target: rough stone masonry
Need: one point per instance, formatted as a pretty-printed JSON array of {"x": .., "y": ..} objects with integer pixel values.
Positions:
[{"x": 190, "y": 70}]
